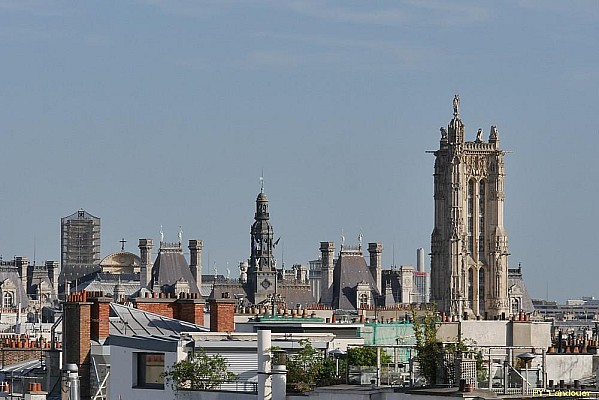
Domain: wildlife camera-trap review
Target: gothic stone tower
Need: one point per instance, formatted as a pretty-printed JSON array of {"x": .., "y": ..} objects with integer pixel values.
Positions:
[
  {"x": 262, "y": 268},
  {"x": 469, "y": 249}
]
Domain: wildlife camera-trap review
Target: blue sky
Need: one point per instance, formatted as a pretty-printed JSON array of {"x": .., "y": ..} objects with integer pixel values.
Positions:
[{"x": 150, "y": 112}]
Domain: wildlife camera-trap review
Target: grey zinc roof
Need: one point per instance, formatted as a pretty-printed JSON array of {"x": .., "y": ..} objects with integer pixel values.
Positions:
[
  {"x": 130, "y": 321},
  {"x": 518, "y": 287},
  {"x": 107, "y": 287},
  {"x": 296, "y": 294},
  {"x": 106, "y": 282},
  {"x": 235, "y": 289},
  {"x": 70, "y": 273},
  {"x": 170, "y": 267},
  {"x": 350, "y": 269}
]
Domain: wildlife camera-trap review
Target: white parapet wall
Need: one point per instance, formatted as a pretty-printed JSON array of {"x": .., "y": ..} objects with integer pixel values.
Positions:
[
  {"x": 569, "y": 367},
  {"x": 498, "y": 333}
]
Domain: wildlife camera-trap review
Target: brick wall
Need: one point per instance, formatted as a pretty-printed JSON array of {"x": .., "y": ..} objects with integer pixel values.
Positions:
[
  {"x": 184, "y": 308},
  {"x": 16, "y": 356},
  {"x": 164, "y": 307}
]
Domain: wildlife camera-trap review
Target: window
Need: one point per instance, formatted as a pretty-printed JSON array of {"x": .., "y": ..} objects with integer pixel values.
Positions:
[
  {"x": 470, "y": 286},
  {"x": 150, "y": 367},
  {"x": 470, "y": 216},
  {"x": 481, "y": 219},
  {"x": 363, "y": 300},
  {"x": 8, "y": 300},
  {"x": 481, "y": 291},
  {"x": 515, "y": 309}
]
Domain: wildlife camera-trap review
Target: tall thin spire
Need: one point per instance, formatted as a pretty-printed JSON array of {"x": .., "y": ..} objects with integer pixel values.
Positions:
[{"x": 262, "y": 181}]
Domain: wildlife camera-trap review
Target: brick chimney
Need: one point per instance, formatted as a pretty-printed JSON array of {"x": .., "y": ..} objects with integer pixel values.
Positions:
[
  {"x": 145, "y": 253},
  {"x": 191, "y": 310},
  {"x": 100, "y": 323},
  {"x": 195, "y": 260},
  {"x": 376, "y": 265},
  {"x": 222, "y": 314},
  {"x": 327, "y": 257},
  {"x": 77, "y": 338}
]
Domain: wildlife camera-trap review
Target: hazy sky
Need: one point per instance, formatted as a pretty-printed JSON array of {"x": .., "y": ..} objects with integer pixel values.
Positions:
[{"x": 149, "y": 113}]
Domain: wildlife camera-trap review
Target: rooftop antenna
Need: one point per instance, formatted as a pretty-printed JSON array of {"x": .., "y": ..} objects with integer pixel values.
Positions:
[
  {"x": 262, "y": 181},
  {"x": 393, "y": 252},
  {"x": 34, "y": 250}
]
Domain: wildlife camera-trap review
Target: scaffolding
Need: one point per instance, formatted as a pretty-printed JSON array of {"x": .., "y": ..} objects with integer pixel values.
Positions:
[{"x": 80, "y": 239}]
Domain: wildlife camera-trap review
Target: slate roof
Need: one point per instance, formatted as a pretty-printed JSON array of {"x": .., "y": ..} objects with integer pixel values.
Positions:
[
  {"x": 350, "y": 269},
  {"x": 20, "y": 294},
  {"x": 171, "y": 266},
  {"x": 518, "y": 287},
  {"x": 71, "y": 273},
  {"x": 294, "y": 294},
  {"x": 206, "y": 289},
  {"x": 234, "y": 288},
  {"x": 107, "y": 287}
]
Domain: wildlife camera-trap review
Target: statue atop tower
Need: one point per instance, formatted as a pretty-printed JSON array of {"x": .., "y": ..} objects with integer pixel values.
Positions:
[{"x": 456, "y": 105}]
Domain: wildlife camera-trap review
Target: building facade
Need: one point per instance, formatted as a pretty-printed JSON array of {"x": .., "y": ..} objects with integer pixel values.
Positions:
[{"x": 469, "y": 244}]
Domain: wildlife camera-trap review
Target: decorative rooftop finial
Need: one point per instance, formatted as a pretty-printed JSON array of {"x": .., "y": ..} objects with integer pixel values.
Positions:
[
  {"x": 123, "y": 241},
  {"x": 493, "y": 136},
  {"x": 456, "y": 105},
  {"x": 161, "y": 234},
  {"x": 262, "y": 181},
  {"x": 180, "y": 234}
]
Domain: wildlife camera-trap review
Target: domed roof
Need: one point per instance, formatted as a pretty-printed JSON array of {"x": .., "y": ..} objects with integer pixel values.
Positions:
[
  {"x": 262, "y": 197},
  {"x": 121, "y": 259}
]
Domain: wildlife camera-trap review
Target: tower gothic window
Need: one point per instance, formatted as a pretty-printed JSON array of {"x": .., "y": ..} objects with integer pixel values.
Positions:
[
  {"x": 481, "y": 291},
  {"x": 470, "y": 216},
  {"x": 470, "y": 286},
  {"x": 481, "y": 219}
]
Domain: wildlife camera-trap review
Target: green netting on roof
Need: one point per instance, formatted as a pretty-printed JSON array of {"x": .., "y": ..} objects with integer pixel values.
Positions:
[{"x": 392, "y": 334}]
